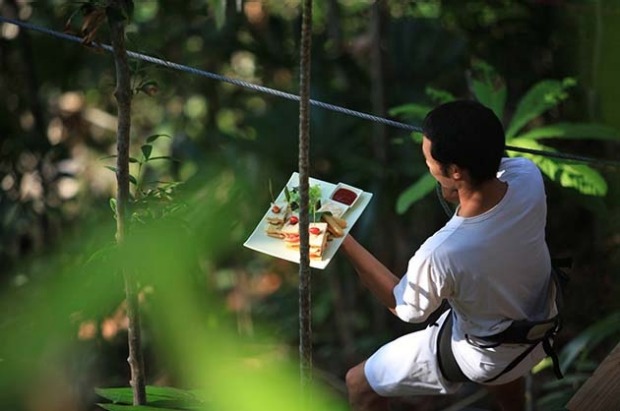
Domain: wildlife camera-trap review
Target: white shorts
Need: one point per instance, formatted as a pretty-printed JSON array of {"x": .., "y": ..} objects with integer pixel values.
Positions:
[{"x": 408, "y": 365}]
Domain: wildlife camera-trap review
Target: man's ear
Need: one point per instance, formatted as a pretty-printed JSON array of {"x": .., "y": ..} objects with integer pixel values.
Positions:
[{"x": 455, "y": 172}]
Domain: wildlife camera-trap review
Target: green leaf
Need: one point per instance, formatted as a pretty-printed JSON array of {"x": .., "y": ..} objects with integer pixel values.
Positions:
[
  {"x": 118, "y": 407},
  {"x": 147, "y": 149},
  {"x": 488, "y": 87},
  {"x": 439, "y": 96},
  {"x": 113, "y": 205},
  {"x": 415, "y": 192},
  {"x": 417, "y": 137},
  {"x": 165, "y": 158},
  {"x": 159, "y": 397},
  {"x": 219, "y": 11},
  {"x": 133, "y": 180},
  {"x": 581, "y": 131},
  {"x": 540, "y": 98},
  {"x": 133, "y": 160},
  {"x": 492, "y": 96},
  {"x": 111, "y": 168},
  {"x": 411, "y": 111},
  {"x": 545, "y": 363},
  {"x": 589, "y": 339},
  {"x": 577, "y": 176},
  {"x": 154, "y": 137}
]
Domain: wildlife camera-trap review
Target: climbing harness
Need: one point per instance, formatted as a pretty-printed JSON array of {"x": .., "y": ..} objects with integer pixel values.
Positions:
[{"x": 527, "y": 332}]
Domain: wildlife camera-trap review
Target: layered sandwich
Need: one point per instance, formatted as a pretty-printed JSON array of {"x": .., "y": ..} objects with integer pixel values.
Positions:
[{"x": 317, "y": 237}]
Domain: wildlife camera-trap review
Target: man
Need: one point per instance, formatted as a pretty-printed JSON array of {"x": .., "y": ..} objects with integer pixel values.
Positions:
[{"x": 490, "y": 262}]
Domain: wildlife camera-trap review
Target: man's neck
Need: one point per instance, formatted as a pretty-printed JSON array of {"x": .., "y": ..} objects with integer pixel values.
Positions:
[{"x": 480, "y": 199}]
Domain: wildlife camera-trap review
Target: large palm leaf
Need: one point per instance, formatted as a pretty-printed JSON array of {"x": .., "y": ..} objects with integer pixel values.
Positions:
[{"x": 489, "y": 89}]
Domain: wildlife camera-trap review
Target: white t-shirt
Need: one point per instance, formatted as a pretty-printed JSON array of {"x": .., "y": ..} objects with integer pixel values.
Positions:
[{"x": 493, "y": 268}]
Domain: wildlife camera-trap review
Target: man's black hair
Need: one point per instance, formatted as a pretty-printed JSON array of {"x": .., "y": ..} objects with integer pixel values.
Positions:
[{"x": 467, "y": 134}]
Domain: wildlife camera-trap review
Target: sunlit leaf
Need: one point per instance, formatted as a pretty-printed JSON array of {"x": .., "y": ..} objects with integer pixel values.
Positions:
[
  {"x": 581, "y": 131},
  {"x": 488, "y": 87},
  {"x": 487, "y": 94},
  {"x": 540, "y": 98},
  {"x": 416, "y": 191},
  {"x": 577, "y": 176},
  {"x": 545, "y": 363}
]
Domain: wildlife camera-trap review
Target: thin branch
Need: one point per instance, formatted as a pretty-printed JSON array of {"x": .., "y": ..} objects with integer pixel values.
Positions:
[{"x": 123, "y": 96}]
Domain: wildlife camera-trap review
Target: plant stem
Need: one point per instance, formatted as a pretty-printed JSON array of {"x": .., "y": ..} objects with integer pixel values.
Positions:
[{"x": 123, "y": 98}]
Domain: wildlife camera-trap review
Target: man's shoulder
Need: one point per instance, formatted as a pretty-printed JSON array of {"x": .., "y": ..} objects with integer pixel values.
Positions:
[
  {"x": 508, "y": 163},
  {"x": 518, "y": 168}
]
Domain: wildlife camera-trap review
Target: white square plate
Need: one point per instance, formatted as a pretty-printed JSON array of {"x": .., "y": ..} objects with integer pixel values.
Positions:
[{"x": 261, "y": 242}]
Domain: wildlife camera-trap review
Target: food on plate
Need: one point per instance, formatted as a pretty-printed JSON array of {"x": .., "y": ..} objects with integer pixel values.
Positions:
[
  {"x": 278, "y": 214},
  {"x": 344, "y": 196},
  {"x": 333, "y": 207},
  {"x": 326, "y": 220},
  {"x": 317, "y": 233},
  {"x": 335, "y": 225}
]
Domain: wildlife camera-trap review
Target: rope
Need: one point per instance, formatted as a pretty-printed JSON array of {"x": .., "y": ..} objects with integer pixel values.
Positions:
[
  {"x": 305, "y": 275},
  {"x": 290, "y": 96}
]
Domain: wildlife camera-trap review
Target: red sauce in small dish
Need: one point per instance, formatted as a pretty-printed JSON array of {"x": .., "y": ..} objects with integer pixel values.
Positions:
[{"x": 344, "y": 196}]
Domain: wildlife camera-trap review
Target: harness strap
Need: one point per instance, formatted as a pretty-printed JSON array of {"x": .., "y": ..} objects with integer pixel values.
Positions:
[
  {"x": 445, "y": 357},
  {"x": 514, "y": 363}
]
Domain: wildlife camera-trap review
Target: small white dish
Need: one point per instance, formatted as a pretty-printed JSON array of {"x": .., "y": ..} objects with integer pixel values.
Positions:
[
  {"x": 337, "y": 209},
  {"x": 346, "y": 194}
]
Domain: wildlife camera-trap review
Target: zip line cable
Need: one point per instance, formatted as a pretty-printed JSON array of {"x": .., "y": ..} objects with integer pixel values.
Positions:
[{"x": 289, "y": 96}]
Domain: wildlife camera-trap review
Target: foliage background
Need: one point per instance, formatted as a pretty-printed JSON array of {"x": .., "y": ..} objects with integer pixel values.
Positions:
[{"x": 57, "y": 131}]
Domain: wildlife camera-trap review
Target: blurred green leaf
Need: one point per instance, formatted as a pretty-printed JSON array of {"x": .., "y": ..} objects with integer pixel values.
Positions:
[
  {"x": 154, "y": 137},
  {"x": 410, "y": 111},
  {"x": 416, "y": 191},
  {"x": 164, "y": 158},
  {"x": 123, "y": 407},
  {"x": 585, "y": 131},
  {"x": 439, "y": 96},
  {"x": 159, "y": 397},
  {"x": 589, "y": 339},
  {"x": 146, "y": 149},
  {"x": 219, "y": 12}
]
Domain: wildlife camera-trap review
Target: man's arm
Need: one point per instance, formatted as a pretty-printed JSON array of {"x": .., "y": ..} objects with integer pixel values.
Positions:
[{"x": 373, "y": 274}]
